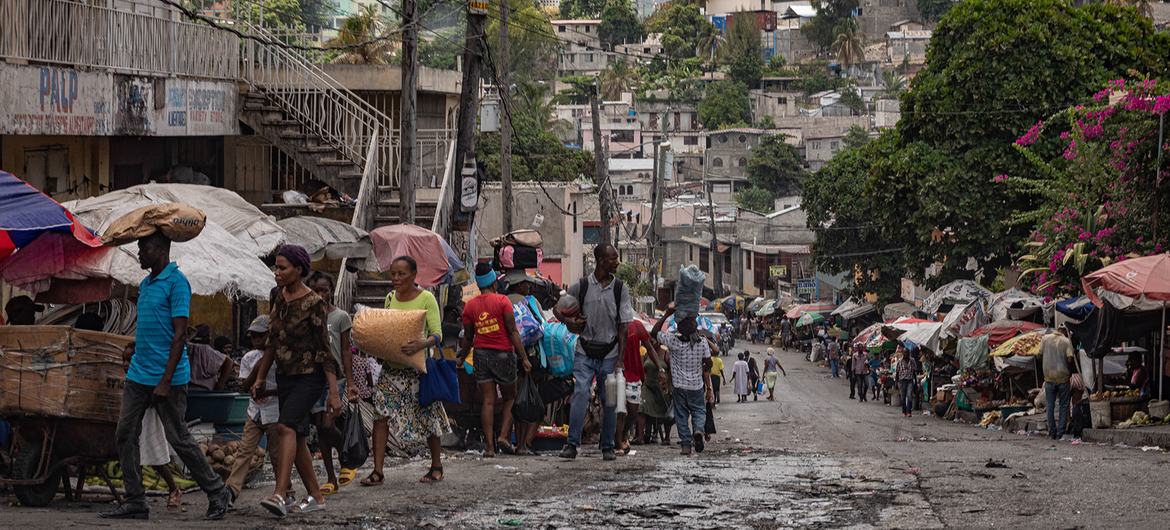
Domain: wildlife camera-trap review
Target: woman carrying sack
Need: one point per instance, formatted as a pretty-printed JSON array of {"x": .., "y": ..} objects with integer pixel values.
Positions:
[{"x": 396, "y": 393}]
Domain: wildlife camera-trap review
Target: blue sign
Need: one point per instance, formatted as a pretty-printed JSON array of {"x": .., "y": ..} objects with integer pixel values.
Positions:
[{"x": 806, "y": 286}]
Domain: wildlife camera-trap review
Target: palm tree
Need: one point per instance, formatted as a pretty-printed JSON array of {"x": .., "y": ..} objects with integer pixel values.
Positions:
[
  {"x": 616, "y": 79},
  {"x": 847, "y": 46},
  {"x": 359, "y": 30},
  {"x": 893, "y": 84}
]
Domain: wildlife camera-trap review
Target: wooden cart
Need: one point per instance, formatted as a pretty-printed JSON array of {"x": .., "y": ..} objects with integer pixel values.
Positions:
[{"x": 49, "y": 450}]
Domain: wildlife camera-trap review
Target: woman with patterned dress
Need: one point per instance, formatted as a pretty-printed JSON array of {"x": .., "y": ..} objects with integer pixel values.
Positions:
[{"x": 396, "y": 393}]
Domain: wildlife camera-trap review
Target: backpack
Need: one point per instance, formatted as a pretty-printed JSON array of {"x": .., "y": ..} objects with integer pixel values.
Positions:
[{"x": 599, "y": 350}]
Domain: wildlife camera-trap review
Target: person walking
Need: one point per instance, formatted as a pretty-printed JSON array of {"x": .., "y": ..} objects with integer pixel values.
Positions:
[
  {"x": 849, "y": 373},
  {"x": 489, "y": 324},
  {"x": 1056, "y": 351},
  {"x": 329, "y": 436},
  {"x": 605, "y": 312},
  {"x": 690, "y": 376},
  {"x": 631, "y": 365},
  {"x": 395, "y": 396},
  {"x": 835, "y": 358},
  {"x": 753, "y": 376},
  {"x": 861, "y": 374},
  {"x": 298, "y": 349},
  {"x": 905, "y": 373},
  {"x": 717, "y": 376},
  {"x": 657, "y": 406},
  {"x": 771, "y": 367},
  {"x": 263, "y": 411},
  {"x": 157, "y": 378},
  {"x": 739, "y": 376}
]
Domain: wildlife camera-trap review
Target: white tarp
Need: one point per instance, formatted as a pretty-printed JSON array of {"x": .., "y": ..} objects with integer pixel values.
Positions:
[
  {"x": 1014, "y": 304},
  {"x": 323, "y": 237},
  {"x": 956, "y": 292}
]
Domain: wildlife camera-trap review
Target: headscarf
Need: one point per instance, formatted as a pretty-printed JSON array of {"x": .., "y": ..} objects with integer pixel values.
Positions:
[
  {"x": 485, "y": 280},
  {"x": 298, "y": 257}
]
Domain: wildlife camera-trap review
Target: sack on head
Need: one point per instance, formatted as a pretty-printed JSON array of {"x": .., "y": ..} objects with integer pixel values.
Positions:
[
  {"x": 179, "y": 222},
  {"x": 382, "y": 333}
]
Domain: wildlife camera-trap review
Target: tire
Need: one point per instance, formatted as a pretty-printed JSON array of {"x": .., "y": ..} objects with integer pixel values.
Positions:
[{"x": 24, "y": 467}]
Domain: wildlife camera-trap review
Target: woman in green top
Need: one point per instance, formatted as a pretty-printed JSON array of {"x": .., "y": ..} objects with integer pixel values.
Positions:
[{"x": 396, "y": 394}]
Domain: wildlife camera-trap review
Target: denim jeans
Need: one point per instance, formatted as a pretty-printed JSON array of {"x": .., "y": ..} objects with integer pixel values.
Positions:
[
  {"x": 862, "y": 386},
  {"x": 585, "y": 370},
  {"x": 1052, "y": 391},
  {"x": 690, "y": 408},
  {"x": 172, "y": 411},
  {"x": 835, "y": 365},
  {"x": 906, "y": 391}
]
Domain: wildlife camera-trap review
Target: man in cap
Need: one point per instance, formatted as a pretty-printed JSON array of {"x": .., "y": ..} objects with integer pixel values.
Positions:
[{"x": 158, "y": 376}]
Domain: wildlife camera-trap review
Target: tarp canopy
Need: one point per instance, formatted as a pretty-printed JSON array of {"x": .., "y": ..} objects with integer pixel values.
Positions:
[
  {"x": 326, "y": 238},
  {"x": 26, "y": 213},
  {"x": 1000, "y": 331},
  {"x": 972, "y": 351},
  {"x": 962, "y": 320},
  {"x": 853, "y": 308},
  {"x": 956, "y": 292},
  {"x": 869, "y": 334},
  {"x": 799, "y": 310},
  {"x": 809, "y": 319},
  {"x": 1144, "y": 278},
  {"x": 1014, "y": 304},
  {"x": 437, "y": 262},
  {"x": 898, "y": 310},
  {"x": 768, "y": 308},
  {"x": 1025, "y": 345},
  {"x": 924, "y": 333}
]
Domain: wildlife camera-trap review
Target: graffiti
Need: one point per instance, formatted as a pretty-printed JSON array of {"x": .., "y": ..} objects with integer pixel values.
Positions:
[
  {"x": 134, "y": 95},
  {"x": 58, "y": 89}
]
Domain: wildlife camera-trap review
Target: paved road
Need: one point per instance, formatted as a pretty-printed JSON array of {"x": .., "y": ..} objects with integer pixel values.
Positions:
[{"x": 812, "y": 459}]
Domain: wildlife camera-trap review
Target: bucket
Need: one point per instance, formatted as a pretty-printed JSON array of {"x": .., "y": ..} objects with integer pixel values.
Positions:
[
  {"x": 1159, "y": 409},
  {"x": 1101, "y": 414}
]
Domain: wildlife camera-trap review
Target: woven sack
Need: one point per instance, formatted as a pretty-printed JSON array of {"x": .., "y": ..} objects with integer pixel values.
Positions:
[
  {"x": 179, "y": 222},
  {"x": 382, "y": 333}
]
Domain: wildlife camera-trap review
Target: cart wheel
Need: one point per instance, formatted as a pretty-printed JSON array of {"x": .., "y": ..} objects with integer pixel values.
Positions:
[{"x": 24, "y": 467}]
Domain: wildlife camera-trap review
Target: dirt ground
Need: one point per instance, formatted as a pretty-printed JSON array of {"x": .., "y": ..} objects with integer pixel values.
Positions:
[{"x": 812, "y": 459}]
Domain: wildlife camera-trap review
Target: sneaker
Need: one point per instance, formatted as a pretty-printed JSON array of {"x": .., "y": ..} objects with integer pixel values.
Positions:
[
  {"x": 608, "y": 454},
  {"x": 569, "y": 452},
  {"x": 217, "y": 504},
  {"x": 698, "y": 438},
  {"x": 127, "y": 511}
]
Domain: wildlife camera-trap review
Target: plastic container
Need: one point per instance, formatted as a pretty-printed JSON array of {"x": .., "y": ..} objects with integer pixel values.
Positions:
[
  {"x": 214, "y": 407},
  {"x": 615, "y": 391},
  {"x": 1159, "y": 408},
  {"x": 1101, "y": 414}
]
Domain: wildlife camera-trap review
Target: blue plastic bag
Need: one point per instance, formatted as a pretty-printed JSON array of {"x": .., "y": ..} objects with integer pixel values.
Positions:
[
  {"x": 557, "y": 346},
  {"x": 440, "y": 383},
  {"x": 527, "y": 324}
]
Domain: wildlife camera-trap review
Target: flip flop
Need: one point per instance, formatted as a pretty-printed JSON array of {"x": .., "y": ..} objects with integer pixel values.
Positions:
[
  {"x": 175, "y": 499},
  {"x": 328, "y": 489},
  {"x": 505, "y": 447},
  {"x": 431, "y": 477},
  {"x": 374, "y": 479},
  {"x": 345, "y": 477}
]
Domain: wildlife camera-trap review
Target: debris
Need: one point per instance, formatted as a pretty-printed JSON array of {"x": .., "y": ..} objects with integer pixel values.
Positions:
[
  {"x": 1019, "y": 474},
  {"x": 1151, "y": 448},
  {"x": 505, "y": 468},
  {"x": 510, "y": 522},
  {"x": 913, "y": 471},
  {"x": 995, "y": 464}
]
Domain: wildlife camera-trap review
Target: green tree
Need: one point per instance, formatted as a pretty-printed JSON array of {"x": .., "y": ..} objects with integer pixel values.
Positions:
[
  {"x": 775, "y": 166},
  {"x": 619, "y": 24},
  {"x": 578, "y": 9},
  {"x": 755, "y": 199},
  {"x": 742, "y": 52},
  {"x": 683, "y": 27},
  {"x": 850, "y": 98},
  {"x": 847, "y": 45},
  {"x": 725, "y": 103},
  {"x": 545, "y": 157},
  {"x": 359, "y": 30},
  {"x": 855, "y": 137},
  {"x": 822, "y": 29},
  {"x": 932, "y": 10},
  {"x": 893, "y": 84},
  {"x": 282, "y": 15},
  {"x": 532, "y": 42},
  {"x": 617, "y": 78},
  {"x": 441, "y": 50}
]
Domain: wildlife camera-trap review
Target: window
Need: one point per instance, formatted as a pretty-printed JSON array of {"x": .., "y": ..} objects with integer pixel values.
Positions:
[
  {"x": 645, "y": 50},
  {"x": 561, "y": 29},
  {"x": 834, "y": 145},
  {"x": 654, "y": 120},
  {"x": 677, "y": 120},
  {"x": 748, "y": 262},
  {"x": 717, "y": 162},
  {"x": 587, "y": 28},
  {"x": 690, "y": 140},
  {"x": 783, "y": 100},
  {"x": 727, "y": 262},
  {"x": 742, "y": 162},
  {"x": 694, "y": 120},
  {"x": 626, "y": 135},
  {"x": 704, "y": 259},
  {"x": 721, "y": 188},
  {"x": 722, "y": 138},
  {"x": 591, "y": 235},
  {"x": 816, "y": 145},
  {"x": 742, "y": 139},
  {"x": 589, "y": 57},
  {"x": 690, "y": 253}
]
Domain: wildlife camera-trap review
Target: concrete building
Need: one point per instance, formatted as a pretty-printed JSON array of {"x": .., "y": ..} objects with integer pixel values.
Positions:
[
  {"x": 726, "y": 159},
  {"x": 907, "y": 46},
  {"x": 820, "y": 149},
  {"x": 887, "y": 112},
  {"x": 632, "y": 178},
  {"x": 621, "y": 133},
  {"x": 875, "y": 17},
  {"x": 646, "y": 50},
  {"x": 581, "y": 52}
]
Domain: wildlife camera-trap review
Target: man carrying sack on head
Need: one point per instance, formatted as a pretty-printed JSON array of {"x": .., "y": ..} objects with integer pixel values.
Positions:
[
  {"x": 601, "y": 323},
  {"x": 159, "y": 370}
]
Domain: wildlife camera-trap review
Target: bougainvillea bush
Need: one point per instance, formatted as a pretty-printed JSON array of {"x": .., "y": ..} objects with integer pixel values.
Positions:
[{"x": 1095, "y": 176}]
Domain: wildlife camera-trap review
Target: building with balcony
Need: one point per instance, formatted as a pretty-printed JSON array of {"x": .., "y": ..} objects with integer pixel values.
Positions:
[{"x": 581, "y": 53}]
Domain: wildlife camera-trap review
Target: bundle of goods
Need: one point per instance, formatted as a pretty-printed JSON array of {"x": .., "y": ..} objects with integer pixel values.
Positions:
[
  {"x": 179, "y": 222},
  {"x": 689, "y": 290},
  {"x": 520, "y": 249},
  {"x": 63, "y": 372},
  {"x": 222, "y": 457},
  {"x": 382, "y": 333}
]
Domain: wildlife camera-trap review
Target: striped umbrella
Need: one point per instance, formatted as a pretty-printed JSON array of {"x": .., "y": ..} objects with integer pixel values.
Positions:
[{"x": 26, "y": 213}]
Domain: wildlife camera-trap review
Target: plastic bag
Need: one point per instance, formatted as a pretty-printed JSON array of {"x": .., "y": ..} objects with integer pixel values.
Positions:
[
  {"x": 355, "y": 448},
  {"x": 529, "y": 408},
  {"x": 557, "y": 347},
  {"x": 439, "y": 383},
  {"x": 527, "y": 324},
  {"x": 689, "y": 290}
]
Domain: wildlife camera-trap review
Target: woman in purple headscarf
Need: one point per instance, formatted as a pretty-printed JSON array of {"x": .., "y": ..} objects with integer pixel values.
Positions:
[{"x": 298, "y": 349}]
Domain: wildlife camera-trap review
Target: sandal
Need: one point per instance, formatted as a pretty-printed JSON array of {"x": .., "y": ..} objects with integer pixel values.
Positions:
[
  {"x": 329, "y": 488},
  {"x": 505, "y": 447},
  {"x": 345, "y": 477},
  {"x": 175, "y": 499},
  {"x": 375, "y": 479},
  {"x": 434, "y": 475},
  {"x": 275, "y": 504}
]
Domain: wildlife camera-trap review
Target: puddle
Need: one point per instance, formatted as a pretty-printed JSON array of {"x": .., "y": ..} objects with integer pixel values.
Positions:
[{"x": 755, "y": 489}]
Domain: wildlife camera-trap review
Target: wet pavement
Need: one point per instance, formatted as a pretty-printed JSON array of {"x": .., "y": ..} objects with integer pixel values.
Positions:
[{"x": 811, "y": 459}]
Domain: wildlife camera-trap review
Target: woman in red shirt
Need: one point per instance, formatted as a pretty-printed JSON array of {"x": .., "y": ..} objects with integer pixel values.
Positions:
[
  {"x": 631, "y": 366},
  {"x": 489, "y": 325}
]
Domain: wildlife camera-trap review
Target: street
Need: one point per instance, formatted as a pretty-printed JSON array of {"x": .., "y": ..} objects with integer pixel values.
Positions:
[{"x": 813, "y": 459}]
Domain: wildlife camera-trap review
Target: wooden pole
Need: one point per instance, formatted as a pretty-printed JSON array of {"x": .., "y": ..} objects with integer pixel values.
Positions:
[
  {"x": 408, "y": 174},
  {"x": 468, "y": 98},
  {"x": 600, "y": 176},
  {"x": 505, "y": 118}
]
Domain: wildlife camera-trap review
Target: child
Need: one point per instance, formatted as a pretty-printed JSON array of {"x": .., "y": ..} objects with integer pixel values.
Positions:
[{"x": 261, "y": 412}]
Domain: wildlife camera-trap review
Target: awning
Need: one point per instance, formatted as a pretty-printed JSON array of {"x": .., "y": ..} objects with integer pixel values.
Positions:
[
  {"x": 852, "y": 309},
  {"x": 799, "y": 310},
  {"x": 898, "y": 310}
]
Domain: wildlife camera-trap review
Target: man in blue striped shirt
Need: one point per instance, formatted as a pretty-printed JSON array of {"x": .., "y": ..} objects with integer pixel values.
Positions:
[{"x": 158, "y": 377}]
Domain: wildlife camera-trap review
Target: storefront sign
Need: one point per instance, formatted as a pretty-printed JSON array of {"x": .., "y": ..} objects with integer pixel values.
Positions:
[
  {"x": 477, "y": 7},
  {"x": 806, "y": 287},
  {"x": 778, "y": 271}
]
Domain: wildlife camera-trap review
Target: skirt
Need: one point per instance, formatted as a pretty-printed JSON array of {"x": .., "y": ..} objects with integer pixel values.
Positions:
[{"x": 396, "y": 400}]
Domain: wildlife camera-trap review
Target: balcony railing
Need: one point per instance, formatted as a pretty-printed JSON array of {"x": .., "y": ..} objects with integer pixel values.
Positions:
[{"x": 72, "y": 33}]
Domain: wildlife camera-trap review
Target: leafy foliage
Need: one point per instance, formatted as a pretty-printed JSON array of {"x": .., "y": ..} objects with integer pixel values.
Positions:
[
  {"x": 617, "y": 78},
  {"x": 441, "y": 51},
  {"x": 285, "y": 15},
  {"x": 544, "y": 156},
  {"x": 532, "y": 53},
  {"x": 775, "y": 166},
  {"x": 823, "y": 27},
  {"x": 932, "y": 10},
  {"x": 847, "y": 45},
  {"x": 578, "y": 9},
  {"x": 682, "y": 26},
  {"x": 725, "y": 103},
  {"x": 742, "y": 51},
  {"x": 619, "y": 24},
  {"x": 359, "y": 29},
  {"x": 855, "y": 137},
  {"x": 755, "y": 199}
]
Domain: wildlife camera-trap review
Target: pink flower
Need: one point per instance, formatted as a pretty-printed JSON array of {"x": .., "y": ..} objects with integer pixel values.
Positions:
[
  {"x": 1118, "y": 84},
  {"x": 1031, "y": 136},
  {"x": 1064, "y": 135},
  {"x": 1000, "y": 178},
  {"x": 1084, "y": 235},
  {"x": 1161, "y": 104},
  {"x": 1100, "y": 96}
]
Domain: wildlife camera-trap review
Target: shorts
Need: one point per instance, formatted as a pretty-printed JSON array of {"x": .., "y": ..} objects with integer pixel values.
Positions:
[
  {"x": 319, "y": 406},
  {"x": 298, "y": 394},
  {"x": 495, "y": 366},
  {"x": 634, "y": 393}
]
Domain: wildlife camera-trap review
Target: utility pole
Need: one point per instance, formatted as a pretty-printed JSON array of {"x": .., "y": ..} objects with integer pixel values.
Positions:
[
  {"x": 408, "y": 169},
  {"x": 717, "y": 267},
  {"x": 505, "y": 118},
  {"x": 654, "y": 236},
  {"x": 600, "y": 171},
  {"x": 469, "y": 96}
]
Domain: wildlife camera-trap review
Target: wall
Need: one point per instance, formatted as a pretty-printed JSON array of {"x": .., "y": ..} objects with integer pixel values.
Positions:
[
  {"x": 878, "y": 15},
  {"x": 66, "y": 101},
  {"x": 85, "y": 161},
  {"x": 786, "y": 229}
]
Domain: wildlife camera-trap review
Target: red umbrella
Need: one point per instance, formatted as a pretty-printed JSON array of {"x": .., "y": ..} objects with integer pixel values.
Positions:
[
  {"x": 1147, "y": 276},
  {"x": 26, "y": 213}
]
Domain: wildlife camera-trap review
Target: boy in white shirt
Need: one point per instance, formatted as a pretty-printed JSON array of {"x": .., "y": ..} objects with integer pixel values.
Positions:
[{"x": 261, "y": 412}]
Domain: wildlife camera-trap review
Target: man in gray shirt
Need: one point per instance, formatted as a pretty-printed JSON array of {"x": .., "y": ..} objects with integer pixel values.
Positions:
[
  {"x": 1056, "y": 351},
  {"x": 601, "y": 323}
]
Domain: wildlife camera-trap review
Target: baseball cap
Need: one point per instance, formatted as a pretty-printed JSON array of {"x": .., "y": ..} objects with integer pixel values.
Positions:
[{"x": 259, "y": 325}]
